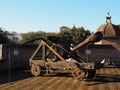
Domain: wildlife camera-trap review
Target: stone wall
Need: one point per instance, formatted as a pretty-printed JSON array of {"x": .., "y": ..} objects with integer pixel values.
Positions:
[
  {"x": 15, "y": 56},
  {"x": 100, "y": 52}
]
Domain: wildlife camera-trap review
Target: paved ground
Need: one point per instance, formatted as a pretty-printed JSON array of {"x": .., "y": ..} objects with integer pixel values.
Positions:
[{"x": 19, "y": 79}]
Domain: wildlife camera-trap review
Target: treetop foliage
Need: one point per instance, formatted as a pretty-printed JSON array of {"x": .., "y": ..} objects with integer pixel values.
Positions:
[
  {"x": 3, "y": 38},
  {"x": 71, "y": 36},
  {"x": 75, "y": 35}
]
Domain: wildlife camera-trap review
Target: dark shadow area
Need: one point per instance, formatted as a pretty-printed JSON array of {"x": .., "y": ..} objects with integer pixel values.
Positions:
[
  {"x": 67, "y": 75},
  {"x": 57, "y": 73},
  {"x": 105, "y": 78},
  {"x": 14, "y": 75},
  {"x": 20, "y": 74}
]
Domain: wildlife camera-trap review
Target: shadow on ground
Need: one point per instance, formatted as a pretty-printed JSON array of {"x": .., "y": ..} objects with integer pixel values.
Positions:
[
  {"x": 14, "y": 75},
  {"x": 20, "y": 74},
  {"x": 105, "y": 78}
]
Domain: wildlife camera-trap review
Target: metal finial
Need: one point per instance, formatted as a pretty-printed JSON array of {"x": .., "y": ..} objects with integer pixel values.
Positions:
[{"x": 108, "y": 18}]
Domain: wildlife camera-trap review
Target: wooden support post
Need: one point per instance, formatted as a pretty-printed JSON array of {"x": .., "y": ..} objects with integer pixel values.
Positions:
[
  {"x": 36, "y": 51},
  {"x": 43, "y": 52},
  {"x": 57, "y": 54}
]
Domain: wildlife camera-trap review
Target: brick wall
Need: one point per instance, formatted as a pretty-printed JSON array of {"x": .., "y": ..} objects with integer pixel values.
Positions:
[
  {"x": 100, "y": 52},
  {"x": 16, "y": 56}
]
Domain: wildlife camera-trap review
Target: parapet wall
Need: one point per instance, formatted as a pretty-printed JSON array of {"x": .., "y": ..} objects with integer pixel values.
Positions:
[
  {"x": 15, "y": 55},
  {"x": 100, "y": 52}
]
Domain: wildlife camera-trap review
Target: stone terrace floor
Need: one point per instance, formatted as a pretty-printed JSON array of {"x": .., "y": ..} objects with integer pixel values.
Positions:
[{"x": 20, "y": 79}]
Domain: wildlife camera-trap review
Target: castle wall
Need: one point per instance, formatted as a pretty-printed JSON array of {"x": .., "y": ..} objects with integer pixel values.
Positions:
[
  {"x": 15, "y": 56},
  {"x": 100, "y": 52}
]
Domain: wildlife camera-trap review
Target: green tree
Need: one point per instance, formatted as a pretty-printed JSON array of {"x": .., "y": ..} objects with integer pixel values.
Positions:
[
  {"x": 31, "y": 36},
  {"x": 3, "y": 38},
  {"x": 118, "y": 26},
  {"x": 65, "y": 36},
  {"x": 68, "y": 37},
  {"x": 79, "y": 34},
  {"x": 74, "y": 35}
]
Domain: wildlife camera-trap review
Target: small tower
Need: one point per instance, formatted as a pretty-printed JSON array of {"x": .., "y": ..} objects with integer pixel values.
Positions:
[{"x": 108, "y": 18}]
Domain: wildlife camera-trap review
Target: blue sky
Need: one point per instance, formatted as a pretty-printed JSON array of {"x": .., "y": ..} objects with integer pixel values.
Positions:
[{"x": 49, "y": 15}]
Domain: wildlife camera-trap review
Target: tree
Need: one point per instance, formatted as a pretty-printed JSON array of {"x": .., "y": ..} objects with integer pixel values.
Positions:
[
  {"x": 3, "y": 38},
  {"x": 31, "y": 36},
  {"x": 68, "y": 37},
  {"x": 118, "y": 26},
  {"x": 74, "y": 35}
]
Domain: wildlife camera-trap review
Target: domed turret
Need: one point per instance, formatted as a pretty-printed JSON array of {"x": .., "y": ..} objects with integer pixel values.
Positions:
[{"x": 111, "y": 32}]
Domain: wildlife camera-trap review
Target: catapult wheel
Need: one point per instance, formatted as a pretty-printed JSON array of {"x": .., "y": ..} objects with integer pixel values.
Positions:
[
  {"x": 35, "y": 70},
  {"x": 78, "y": 74}
]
